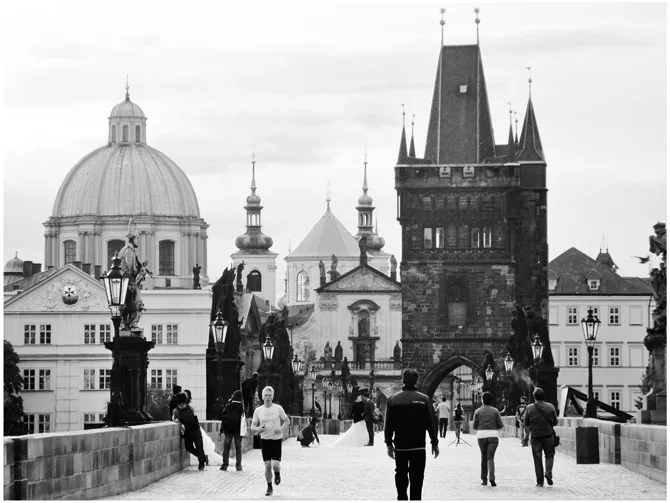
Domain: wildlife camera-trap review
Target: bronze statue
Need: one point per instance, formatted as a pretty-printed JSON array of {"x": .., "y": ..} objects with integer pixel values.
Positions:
[
  {"x": 223, "y": 299},
  {"x": 137, "y": 271},
  {"x": 397, "y": 352},
  {"x": 338, "y": 352},
  {"x": 239, "y": 285},
  {"x": 327, "y": 353},
  {"x": 196, "y": 277}
]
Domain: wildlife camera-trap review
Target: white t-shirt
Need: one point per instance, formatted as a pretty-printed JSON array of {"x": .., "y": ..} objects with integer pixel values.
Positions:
[
  {"x": 443, "y": 410},
  {"x": 270, "y": 417}
]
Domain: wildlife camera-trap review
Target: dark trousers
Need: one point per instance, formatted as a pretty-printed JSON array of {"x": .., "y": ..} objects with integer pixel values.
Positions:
[
  {"x": 444, "y": 422},
  {"x": 370, "y": 425},
  {"x": 409, "y": 468},
  {"x": 487, "y": 447},
  {"x": 537, "y": 446},
  {"x": 193, "y": 443},
  {"x": 238, "y": 449}
]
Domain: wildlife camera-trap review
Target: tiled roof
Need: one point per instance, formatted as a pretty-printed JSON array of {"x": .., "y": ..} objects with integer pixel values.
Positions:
[
  {"x": 299, "y": 314},
  {"x": 572, "y": 268},
  {"x": 530, "y": 144},
  {"x": 328, "y": 237},
  {"x": 25, "y": 283}
]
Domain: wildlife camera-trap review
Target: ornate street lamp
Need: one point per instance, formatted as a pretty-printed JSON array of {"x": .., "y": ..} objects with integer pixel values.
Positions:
[
  {"x": 537, "y": 349},
  {"x": 324, "y": 384},
  {"x": 590, "y": 325},
  {"x": 296, "y": 363},
  {"x": 312, "y": 376},
  {"x": 509, "y": 362},
  {"x": 268, "y": 348},
  {"x": 329, "y": 388},
  {"x": 339, "y": 388},
  {"x": 219, "y": 329},
  {"x": 116, "y": 286},
  {"x": 489, "y": 373}
]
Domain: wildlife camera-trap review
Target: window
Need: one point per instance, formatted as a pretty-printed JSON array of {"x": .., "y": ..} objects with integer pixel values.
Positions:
[
  {"x": 44, "y": 382},
  {"x": 166, "y": 258},
  {"x": 486, "y": 237},
  {"x": 28, "y": 379},
  {"x": 70, "y": 251},
  {"x": 573, "y": 315},
  {"x": 474, "y": 237},
  {"x": 125, "y": 134},
  {"x": 615, "y": 356},
  {"x": 113, "y": 246},
  {"x": 451, "y": 236},
  {"x": 254, "y": 281},
  {"x": 463, "y": 236},
  {"x": 89, "y": 378},
  {"x": 38, "y": 423},
  {"x": 615, "y": 399},
  {"x": 114, "y": 134},
  {"x": 457, "y": 313},
  {"x": 172, "y": 334},
  {"x": 93, "y": 417},
  {"x": 596, "y": 395},
  {"x": 594, "y": 284},
  {"x": 363, "y": 324},
  {"x": 170, "y": 378},
  {"x": 468, "y": 172},
  {"x": 137, "y": 134},
  {"x": 427, "y": 237},
  {"x": 573, "y": 356},
  {"x": 45, "y": 334},
  {"x": 596, "y": 356},
  {"x": 157, "y": 334},
  {"x": 635, "y": 315},
  {"x": 463, "y": 88},
  {"x": 302, "y": 290},
  {"x": 614, "y": 316},
  {"x": 105, "y": 380},
  {"x": 105, "y": 333},
  {"x": 29, "y": 334},
  {"x": 439, "y": 237},
  {"x": 156, "y": 378},
  {"x": 89, "y": 334}
]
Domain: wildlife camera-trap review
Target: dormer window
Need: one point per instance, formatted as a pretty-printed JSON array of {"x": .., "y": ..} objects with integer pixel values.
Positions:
[
  {"x": 594, "y": 284},
  {"x": 464, "y": 88},
  {"x": 552, "y": 284},
  {"x": 468, "y": 172}
]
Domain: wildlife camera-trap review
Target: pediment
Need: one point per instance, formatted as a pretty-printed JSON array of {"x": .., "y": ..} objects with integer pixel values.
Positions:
[
  {"x": 69, "y": 290},
  {"x": 362, "y": 279}
]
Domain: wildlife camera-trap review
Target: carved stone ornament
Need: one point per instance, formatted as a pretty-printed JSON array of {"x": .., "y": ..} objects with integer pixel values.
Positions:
[
  {"x": 70, "y": 294},
  {"x": 64, "y": 293},
  {"x": 365, "y": 280},
  {"x": 328, "y": 302}
]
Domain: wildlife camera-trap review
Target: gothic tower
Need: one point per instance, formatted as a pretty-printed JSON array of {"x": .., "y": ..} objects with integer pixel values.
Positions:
[
  {"x": 474, "y": 227},
  {"x": 260, "y": 268}
]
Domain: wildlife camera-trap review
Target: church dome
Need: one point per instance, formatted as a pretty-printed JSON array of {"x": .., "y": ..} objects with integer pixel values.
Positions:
[
  {"x": 254, "y": 240},
  {"x": 365, "y": 200},
  {"x": 253, "y": 199},
  {"x": 15, "y": 265},
  {"x": 127, "y": 109}
]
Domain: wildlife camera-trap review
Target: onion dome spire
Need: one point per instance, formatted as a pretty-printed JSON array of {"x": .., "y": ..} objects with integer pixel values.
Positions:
[
  {"x": 253, "y": 240},
  {"x": 365, "y": 209}
]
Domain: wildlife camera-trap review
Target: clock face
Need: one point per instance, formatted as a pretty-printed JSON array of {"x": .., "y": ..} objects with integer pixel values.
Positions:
[{"x": 70, "y": 294}]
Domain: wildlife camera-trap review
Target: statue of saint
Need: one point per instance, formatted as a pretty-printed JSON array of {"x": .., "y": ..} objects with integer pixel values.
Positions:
[
  {"x": 363, "y": 244},
  {"x": 240, "y": 267},
  {"x": 137, "y": 271},
  {"x": 397, "y": 352},
  {"x": 394, "y": 264},
  {"x": 327, "y": 353},
  {"x": 333, "y": 269},
  {"x": 196, "y": 277},
  {"x": 363, "y": 327},
  {"x": 322, "y": 272},
  {"x": 338, "y": 352}
]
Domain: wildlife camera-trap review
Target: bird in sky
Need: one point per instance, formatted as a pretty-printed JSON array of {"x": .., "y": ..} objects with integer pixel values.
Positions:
[{"x": 643, "y": 260}]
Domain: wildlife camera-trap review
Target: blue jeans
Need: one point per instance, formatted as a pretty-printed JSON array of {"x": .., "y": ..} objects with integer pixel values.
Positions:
[
  {"x": 487, "y": 447},
  {"x": 538, "y": 446},
  {"x": 238, "y": 449}
]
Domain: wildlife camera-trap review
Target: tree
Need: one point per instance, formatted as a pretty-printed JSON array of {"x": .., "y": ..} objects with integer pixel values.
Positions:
[
  {"x": 646, "y": 381},
  {"x": 158, "y": 404},
  {"x": 13, "y": 408}
]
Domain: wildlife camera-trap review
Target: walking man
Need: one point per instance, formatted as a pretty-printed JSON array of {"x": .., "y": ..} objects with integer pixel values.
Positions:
[
  {"x": 540, "y": 418},
  {"x": 268, "y": 421},
  {"x": 409, "y": 414},
  {"x": 520, "y": 412},
  {"x": 369, "y": 417},
  {"x": 443, "y": 412}
]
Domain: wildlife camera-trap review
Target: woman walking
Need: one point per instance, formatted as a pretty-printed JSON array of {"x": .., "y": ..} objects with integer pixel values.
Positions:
[
  {"x": 458, "y": 420},
  {"x": 231, "y": 424},
  {"x": 487, "y": 422}
]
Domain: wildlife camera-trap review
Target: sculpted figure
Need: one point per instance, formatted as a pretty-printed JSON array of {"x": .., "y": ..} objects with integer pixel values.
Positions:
[
  {"x": 223, "y": 299},
  {"x": 333, "y": 269},
  {"x": 397, "y": 352},
  {"x": 394, "y": 264},
  {"x": 338, "y": 352},
  {"x": 327, "y": 353},
  {"x": 240, "y": 267},
  {"x": 137, "y": 271},
  {"x": 322, "y": 273},
  {"x": 196, "y": 277}
]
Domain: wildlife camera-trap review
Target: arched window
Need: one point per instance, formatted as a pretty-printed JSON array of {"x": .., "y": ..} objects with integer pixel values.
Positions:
[
  {"x": 125, "y": 134},
  {"x": 114, "y": 134},
  {"x": 363, "y": 324},
  {"x": 254, "y": 282},
  {"x": 70, "y": 251},
  {"x": 113, "y": 246},
  {"x": 166, "y": 258},
  {"x": 137, "y": 134},
  {"x": 302, "y": 287}
]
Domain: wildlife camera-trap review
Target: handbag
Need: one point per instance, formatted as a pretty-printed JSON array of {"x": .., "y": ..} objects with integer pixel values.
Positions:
[
  {"x": 243, "y": 426},
  {"x": 557, "y": 439}
]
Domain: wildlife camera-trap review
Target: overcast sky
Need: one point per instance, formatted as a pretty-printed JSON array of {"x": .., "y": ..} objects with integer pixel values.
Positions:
[{"x": 310, "y": 84}]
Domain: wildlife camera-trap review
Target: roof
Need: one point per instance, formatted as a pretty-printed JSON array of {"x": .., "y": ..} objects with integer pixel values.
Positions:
[
  {"x": 29, "y": 281},
  {"x": 361, "y": 278},
  {"x": 299, "y": 314},
  {"x": 328, "y": 237},
  {"x": 572, "y": 268},
  {"x": 127, "y": 109},
  {"x": 458, "y": 121},
  {"x": 14, "y": 265},
  {"x": 529, "y": 142}
]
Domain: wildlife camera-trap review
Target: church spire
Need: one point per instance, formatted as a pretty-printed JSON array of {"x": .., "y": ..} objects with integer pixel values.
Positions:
[
  {"x": 402, "y": 154},
  {"x": 127, "y": 89},
  {"x": 365, "y": 210},
  {"x": 511, "y": 145},
  {"x": 253, "y": 239},
  {"x": 530, "y": 144},
  {"x": 412, "y": 152}
]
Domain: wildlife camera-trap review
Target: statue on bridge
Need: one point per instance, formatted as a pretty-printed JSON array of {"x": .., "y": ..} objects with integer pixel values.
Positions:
[
  {"x": 137, "y": 271},
  {"x": 223, "y": 300},
  {"x": 338, "y": 352},
  {"x": 327, "y": 353}
]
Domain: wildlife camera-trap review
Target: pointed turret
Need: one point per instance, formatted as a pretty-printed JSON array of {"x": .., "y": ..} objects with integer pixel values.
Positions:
[
  {"x": 530, "y": 144},
  {"x": 412, "y": 152},
  {"x": 606, "y": 260},
  {"x": 511, "y": 145}
]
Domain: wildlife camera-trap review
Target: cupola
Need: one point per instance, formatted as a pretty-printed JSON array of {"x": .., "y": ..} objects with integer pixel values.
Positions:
[
  {"x": 365, "y": 210},
  {"x": 253, "y": 239},
  {"x": 127, "y": 123}
]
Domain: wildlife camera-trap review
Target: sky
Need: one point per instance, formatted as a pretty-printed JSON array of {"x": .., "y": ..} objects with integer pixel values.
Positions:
[{"x": 310, "y": 87}]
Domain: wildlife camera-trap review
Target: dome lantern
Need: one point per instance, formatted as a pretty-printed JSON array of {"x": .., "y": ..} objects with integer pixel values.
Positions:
[
  {"x": 253, "y": 239},
  {"x": 127, "y": 123},
  {"x": 365, "y": 210}
]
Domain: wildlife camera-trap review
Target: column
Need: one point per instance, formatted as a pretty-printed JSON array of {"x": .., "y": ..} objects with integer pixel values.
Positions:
[
  {"x": 204, "y": 255},
  {"x": 81, "y": 246},
  {"x": 198, "y": 249}
]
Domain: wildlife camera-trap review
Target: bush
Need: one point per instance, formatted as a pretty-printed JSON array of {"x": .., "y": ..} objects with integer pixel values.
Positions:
[{"x": 158, "y": 404}]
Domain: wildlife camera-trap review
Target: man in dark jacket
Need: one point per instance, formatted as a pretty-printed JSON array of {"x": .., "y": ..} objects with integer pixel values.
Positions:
[
  {"x": 540, "y": 419},
  {"x": 357, "y": 409},
  {"x": 409, "y": 414},
  {"x": 369, "y": 417},
  {"x": 192, "y": 433},
  {"x": 176, "y": 389}
]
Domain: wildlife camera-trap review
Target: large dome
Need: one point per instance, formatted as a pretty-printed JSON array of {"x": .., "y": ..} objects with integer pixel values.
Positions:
[{"x": 131, "y": 179}]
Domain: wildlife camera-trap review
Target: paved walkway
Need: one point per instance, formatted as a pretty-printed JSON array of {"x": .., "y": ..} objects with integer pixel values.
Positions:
[{"x": 366, "y": 473}]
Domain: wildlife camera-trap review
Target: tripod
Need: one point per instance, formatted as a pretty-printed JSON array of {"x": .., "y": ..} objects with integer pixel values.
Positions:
[{"x": 458, "y": 440}]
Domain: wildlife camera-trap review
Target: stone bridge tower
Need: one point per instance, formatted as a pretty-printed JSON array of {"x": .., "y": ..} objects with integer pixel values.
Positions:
[{"x": 474, "y": 228}]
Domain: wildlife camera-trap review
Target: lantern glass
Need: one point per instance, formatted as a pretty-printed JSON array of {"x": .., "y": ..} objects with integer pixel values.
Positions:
[
  {"x": 509, "y": 362},
  {"x": 312, "y": 373},
  {"x": 489, "y": 373},
  {"x": 268, "y": 348},
  {"x": 590, "y": 325},
  {"x": 296, "y": 364},
  {"x": 537, "y": 348},
  {"x": 350, "y": 388},
  {"x": 116, "y": 284},
  {"x": 219, "y": 329}
]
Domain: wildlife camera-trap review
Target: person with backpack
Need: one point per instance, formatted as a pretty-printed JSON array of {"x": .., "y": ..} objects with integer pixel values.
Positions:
[
  {"x": 540, "y": 418},
  {"x": 232, "y": 419}
]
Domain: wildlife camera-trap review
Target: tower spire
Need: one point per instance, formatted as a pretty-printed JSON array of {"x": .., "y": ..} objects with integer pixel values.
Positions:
[
  {"x": 412, "y": 152},
  {"x": 328, "y": 195},
  {"x": 516, "y": 129},
  {"x": 511, "y": 146},
  {"x": 127, "y": 89},
  {"x": 439, "y": 92},
  {"x": 402, "y": 153},
  {"x": 478, "y": 77},
  {"x": 530, "y": 82}
]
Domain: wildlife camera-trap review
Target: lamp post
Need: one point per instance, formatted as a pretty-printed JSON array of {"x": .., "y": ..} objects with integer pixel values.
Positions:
[
  {"x": 219, "y": 329},
  {"x": 508, "y": 361},
  {"x": 296, "y": 364},
  {"x": 590, "y": 325},
  {"x": 312, "y": 376},
  {"x": 489, "y": 373},
  {"x": 329, "y": 387},
  {"x": 339, "y": 388},
  {"x": 324, "y": 384}
]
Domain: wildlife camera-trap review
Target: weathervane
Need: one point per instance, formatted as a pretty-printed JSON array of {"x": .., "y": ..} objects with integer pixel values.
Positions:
[{"x": 477, "y": 22}]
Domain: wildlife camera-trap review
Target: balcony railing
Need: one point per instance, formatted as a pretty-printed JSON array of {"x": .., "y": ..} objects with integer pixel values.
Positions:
[{"x": 377, "y": 365}]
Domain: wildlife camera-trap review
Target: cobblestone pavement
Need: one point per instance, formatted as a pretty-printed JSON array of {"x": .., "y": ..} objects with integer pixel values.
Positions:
[{"x": 366, "y": 473}]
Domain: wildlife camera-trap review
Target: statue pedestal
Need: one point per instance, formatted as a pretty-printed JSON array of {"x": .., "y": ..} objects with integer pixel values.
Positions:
[
  {"x": 654, "y": 408},
  {"x": 129, "y": 379},
  {"x": 546, "y": 378}
]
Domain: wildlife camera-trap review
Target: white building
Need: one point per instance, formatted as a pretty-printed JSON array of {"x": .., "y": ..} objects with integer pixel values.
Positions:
[{"x": 624, "y": 305}]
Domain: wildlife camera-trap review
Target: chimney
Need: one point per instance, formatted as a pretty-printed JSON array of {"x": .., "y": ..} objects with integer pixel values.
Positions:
[
  {"x": 37, "y": 268},
  {"x": 77, "y": 263},
  {"x": 97, "y": 271},
  {"x": 27, "y": 268},
  {"x": 393, "y": 276},
  {"x": 86, "y": 268}
]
